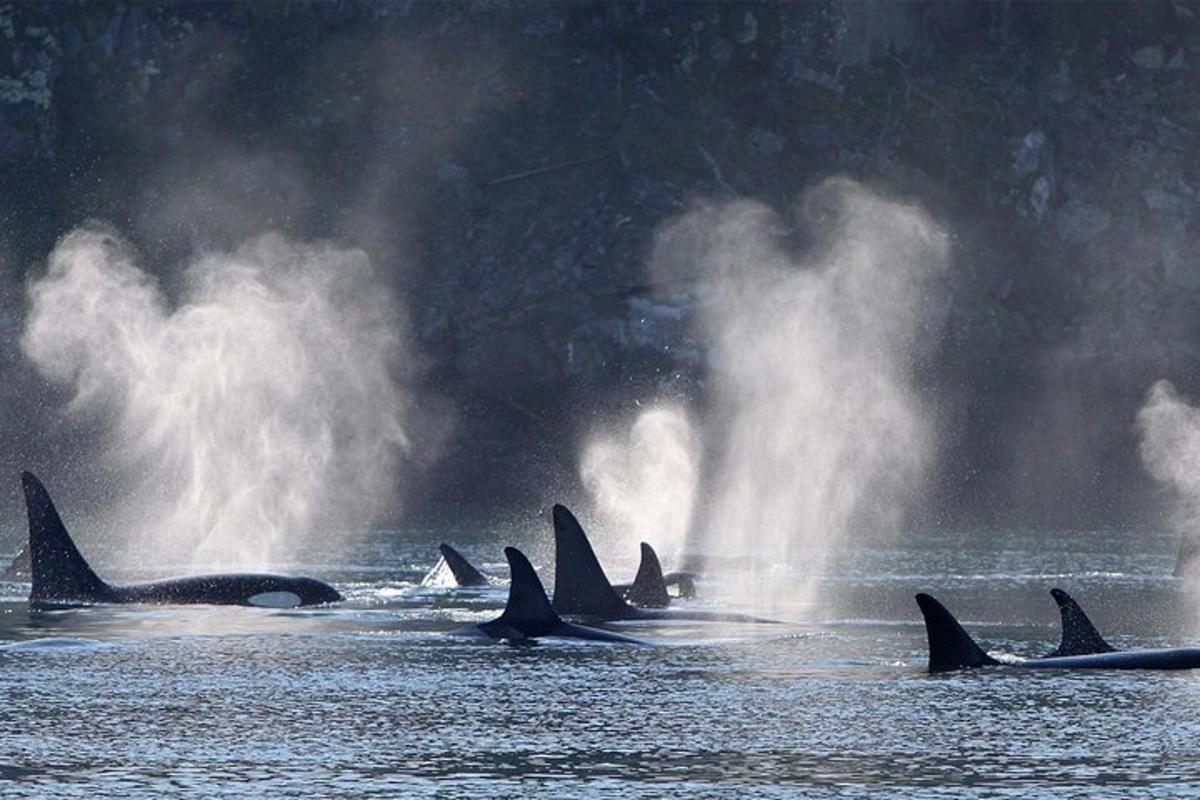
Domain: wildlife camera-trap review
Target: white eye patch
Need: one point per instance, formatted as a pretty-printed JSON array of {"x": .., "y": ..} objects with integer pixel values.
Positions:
[{"x": 275, "y": 600}]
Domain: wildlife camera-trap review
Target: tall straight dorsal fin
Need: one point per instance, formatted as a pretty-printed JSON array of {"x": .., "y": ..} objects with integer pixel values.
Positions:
[
  {"x": 950, "y": 647},
  {"x": 464, "y": 573},
  {"x": 580, "y": 586},
  {"x": 649, "y": 589},
  {"x": 1079, "y": 635},
  {"x": 528, "y": 610},
  {"x": 59, "y": 573}
]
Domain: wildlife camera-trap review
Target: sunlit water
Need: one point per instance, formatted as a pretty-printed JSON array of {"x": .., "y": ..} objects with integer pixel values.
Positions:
[{"x": 376, "y": 696}]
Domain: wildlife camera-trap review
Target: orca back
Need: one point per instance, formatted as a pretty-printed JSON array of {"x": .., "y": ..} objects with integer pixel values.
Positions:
[
  {"x": 464, "y": 573},
  {"x": 58, "y": 572},
  {"x": 580, "y": 586},
  {"x": 950, "y": 647},
  {"x": 235, "y": 588},
  {"x": 1079, "y": 635},
  {"x": 649, "y": 589},
  {"x": 1173, "y": 658}
]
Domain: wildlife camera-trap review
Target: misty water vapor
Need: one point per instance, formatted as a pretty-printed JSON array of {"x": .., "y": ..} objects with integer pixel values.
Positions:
[
  {"x": 1170, "y": 449},
  {"x": 260, "y": 409},
  {"x": 643, "y": 483},
  {"x": 816, "y": 427}
]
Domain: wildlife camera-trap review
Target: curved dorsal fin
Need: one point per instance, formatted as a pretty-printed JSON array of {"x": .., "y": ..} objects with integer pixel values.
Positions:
[
  {"x": 649, "y": 590},
  {"x": 580, "y": 585},
  {"x": 1079, "y": 635},
  {"x": 58, "y": 571},
  {"x": 528, "y": 609},
  {"x": 464, "y": 573},
  {"x": 950, "y": 647}
]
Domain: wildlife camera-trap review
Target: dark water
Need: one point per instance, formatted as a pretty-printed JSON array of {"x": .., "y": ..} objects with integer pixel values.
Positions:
[{"x": 376, "y": 698}]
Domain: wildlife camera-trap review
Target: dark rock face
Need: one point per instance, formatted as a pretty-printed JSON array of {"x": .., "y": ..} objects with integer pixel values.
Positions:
[{"x": 510, "y": 162}]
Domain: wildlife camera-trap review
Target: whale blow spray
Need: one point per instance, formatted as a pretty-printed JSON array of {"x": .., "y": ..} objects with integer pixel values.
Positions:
[
  {"x": 1169, "y": 427},
  {"x": 643, "y": 484},
  {"x": 816, "y": 426},
  {"x": 261, "y": 408}
]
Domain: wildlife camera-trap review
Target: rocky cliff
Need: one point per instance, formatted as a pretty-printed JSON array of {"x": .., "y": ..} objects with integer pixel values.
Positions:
[{"x": 510, "y": 162}]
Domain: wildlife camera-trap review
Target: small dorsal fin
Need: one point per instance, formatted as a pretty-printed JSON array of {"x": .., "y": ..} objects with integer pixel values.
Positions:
[
  {"x": 580, "y": 586},
  {"x": 649, "y": 590},
  {"x": 950, "y": 647},
  {"x": 59, "y": 573},
  {"x": 528, "y": 610},
  {"x": 19, "y": 568},
  {"x": 464, "y": 573},
  {"x": 1079, "y": 635},
  {"x": 686, "y": 581}
]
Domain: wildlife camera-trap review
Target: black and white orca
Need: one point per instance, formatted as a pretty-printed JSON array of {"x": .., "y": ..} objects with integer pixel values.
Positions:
[
  {"x": 581, "y": 589},
  {"x": 649, "y": 587},
  {"x": 1079, "y": 635},
  {"x": 529, "y": 615},
  {"x": 18, "y": 568},
  {"x": 464, "y": 573},
  {"x": 952, "y": 648},
  {"x": 61, "y": 576}
]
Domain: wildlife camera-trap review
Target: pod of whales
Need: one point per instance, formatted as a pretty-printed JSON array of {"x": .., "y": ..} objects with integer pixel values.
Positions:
[
  {"x": 582, "y": 590},
  {"x": 528, "y": 614},
  {"x": 648, "y": 590},
  {"x": 1082, "y": 647},
  {"x": 61, "y": 576}
]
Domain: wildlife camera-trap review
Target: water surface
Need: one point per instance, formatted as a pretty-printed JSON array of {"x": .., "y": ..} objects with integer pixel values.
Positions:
[{"x": 377, "y": 697}]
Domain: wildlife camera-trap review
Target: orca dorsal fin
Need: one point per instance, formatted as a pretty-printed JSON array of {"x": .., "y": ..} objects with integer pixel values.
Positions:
[
  {"x": 950, "y": 647},
  {"x": 580, "y": 585},
  {"x": 649, "y": 589},
  {"x": 528, "y": 610},
  {"x": 1079, "y": 635},
  {"x": 464, "y": 573},
  {"x": 58, "y": 571},
  {"x": 20, "y": 566}
]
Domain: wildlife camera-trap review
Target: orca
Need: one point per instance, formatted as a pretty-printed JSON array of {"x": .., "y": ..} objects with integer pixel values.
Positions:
[
  {"x": 529, "y": 615},
  {"x": 649, "y": 587},
  {"x": 952, "y": 648},
  {"x": 464, "y": 574},
  {"x": 62, "y": 577},
  {"x": 581, "y": 589},
  {"x": 1079, "y": 635},
  {"x": 684, "y": 581},
  {"x": 18, "y": 568}
]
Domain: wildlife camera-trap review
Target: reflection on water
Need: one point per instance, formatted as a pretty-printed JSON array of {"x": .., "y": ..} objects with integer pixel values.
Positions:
[{"x": 376, "y": 697}]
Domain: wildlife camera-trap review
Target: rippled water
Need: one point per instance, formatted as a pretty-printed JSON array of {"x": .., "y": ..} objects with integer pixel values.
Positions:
[{"x": 376, "y": 697}]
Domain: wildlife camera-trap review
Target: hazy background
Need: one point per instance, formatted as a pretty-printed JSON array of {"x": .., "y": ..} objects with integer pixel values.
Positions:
[{"x": 794, "y": 268}]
